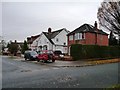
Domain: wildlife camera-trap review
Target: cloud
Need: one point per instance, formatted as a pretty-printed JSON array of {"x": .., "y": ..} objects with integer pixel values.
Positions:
[{"x": 22, "y": 19}]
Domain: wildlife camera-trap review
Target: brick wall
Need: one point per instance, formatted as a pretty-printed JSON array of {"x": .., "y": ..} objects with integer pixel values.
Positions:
[{"x": 90, "y": 38}]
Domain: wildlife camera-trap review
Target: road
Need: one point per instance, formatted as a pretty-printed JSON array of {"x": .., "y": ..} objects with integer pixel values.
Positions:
[{"x": 20, "y": 74}]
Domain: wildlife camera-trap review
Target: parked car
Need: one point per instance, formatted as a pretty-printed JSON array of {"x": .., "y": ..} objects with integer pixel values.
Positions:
[
  {"x": 31, "y": 55},
  {"x": 46, "y": 56},
  {"x": 58, "y": 54}
]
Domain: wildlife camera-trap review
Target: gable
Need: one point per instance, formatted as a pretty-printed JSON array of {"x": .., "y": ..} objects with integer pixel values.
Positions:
[
  {"x": 64, "y": 31},
  {"x": 61, "y": 38},
  {"x": 35, "y": 42},
  {"x": 44, "y": 37},
  {"x": 50, "y": 36}
]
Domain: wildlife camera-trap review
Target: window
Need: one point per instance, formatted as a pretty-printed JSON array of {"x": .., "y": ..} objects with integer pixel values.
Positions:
[
  {"x": 83, "y": 35},
  {"x": 57, "y": 39},
  {"x": 71, "y": 37},
  {"x": 76, "y": 36},
  {"x": 79, "y": 36},
  {"x": 45, "y": 47}
]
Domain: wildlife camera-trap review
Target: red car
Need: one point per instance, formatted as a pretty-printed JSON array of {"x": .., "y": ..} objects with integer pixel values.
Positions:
[{"x": 46, "y": 55}]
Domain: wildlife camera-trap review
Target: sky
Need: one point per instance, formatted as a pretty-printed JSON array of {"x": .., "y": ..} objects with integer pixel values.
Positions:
[{"x": 28, "y": 18}]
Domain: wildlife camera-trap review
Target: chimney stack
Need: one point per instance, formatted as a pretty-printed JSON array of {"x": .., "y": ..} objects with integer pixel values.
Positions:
[
  {"x": 49, "y": 30},
  {"x": 95, "y": 25}
]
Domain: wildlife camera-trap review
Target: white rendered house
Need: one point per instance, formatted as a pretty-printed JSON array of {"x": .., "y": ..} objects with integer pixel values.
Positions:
[{"x": 56, "y": 40}]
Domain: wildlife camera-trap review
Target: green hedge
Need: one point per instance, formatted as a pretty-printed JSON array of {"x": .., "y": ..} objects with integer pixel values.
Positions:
[{"x": 78, "y": 51}]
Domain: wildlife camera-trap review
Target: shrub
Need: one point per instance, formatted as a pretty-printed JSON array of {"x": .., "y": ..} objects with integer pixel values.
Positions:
[
  {"x": 76, "y": 51},
  {"x": 94, "y": 51}
]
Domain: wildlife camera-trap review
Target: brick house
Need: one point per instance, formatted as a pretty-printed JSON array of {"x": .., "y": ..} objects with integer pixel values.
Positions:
[{"x": 87, "y": 35}]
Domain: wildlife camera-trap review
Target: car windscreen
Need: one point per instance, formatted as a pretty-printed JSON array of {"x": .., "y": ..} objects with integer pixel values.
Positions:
[{"x": 33, "y": 53}]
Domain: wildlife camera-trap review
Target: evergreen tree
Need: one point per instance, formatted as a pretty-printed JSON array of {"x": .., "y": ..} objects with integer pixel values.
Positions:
[{"x": 25, "y": 47}]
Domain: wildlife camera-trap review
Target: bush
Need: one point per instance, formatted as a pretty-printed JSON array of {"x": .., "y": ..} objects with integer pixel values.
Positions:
[
  {"x": 76, "y": 51},
  {"x": 94, "y": 51}
]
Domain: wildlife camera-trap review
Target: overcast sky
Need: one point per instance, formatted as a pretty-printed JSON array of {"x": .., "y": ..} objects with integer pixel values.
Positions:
[{"x": 23, "y": 19}]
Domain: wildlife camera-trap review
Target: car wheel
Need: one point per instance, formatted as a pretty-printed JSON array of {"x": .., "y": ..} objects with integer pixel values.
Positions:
[
  {"x": 53, "y": 60},
  {"x": 49, "y": 60},
  {"x": 25, "y": 59},
  {"x": 44, "y": 61},
  {"x": 38, "y": 60}
]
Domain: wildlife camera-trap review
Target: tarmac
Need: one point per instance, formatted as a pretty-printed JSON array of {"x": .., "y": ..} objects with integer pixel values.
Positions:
[{"x": 79, "y": 63}]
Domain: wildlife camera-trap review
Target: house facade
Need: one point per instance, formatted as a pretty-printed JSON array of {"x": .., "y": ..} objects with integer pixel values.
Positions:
[
  {"x": 51, "y": 40},
  {"x": 32, "y": 42},
  {"x": 87, "y": 35}
]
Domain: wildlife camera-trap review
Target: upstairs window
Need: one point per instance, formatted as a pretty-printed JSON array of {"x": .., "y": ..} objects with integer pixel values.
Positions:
[
  {"x": 76, "y": 36},
  {"x": 83, "y": 35},
  {"x": 71, "y": 37},
  {"x": 79, "y": 36}
]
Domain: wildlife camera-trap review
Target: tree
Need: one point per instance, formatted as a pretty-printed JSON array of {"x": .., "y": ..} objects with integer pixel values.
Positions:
[
  {"x": 25, "y": 47},
  {"x": 3, "y": 44},
  {"x": 13, "y": 48},
  {"x": 109, "y": 16},
  {"x": 112, "y": 40}
]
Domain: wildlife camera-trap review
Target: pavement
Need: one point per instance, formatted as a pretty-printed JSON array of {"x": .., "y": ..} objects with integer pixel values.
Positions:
[{"x": 79, "y": 63}]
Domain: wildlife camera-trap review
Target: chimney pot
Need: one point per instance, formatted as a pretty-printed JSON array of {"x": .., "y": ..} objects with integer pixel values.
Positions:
[
  {"x": 95, "y": 25},
  {"x": 49, "y": 30}
]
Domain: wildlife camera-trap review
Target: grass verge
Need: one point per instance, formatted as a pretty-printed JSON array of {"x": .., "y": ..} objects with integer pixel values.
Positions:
[{"x": 114, "y": 87}]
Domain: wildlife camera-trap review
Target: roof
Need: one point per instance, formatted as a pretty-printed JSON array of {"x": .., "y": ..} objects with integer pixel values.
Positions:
[
  {"x": 87, "y": 28},
  {"x": 53, "y": 34},
  {"x": 32, "y": 38}
]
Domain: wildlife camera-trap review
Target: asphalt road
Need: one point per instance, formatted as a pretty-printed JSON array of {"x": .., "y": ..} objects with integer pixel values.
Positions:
[{"x": 19, "y": 74}]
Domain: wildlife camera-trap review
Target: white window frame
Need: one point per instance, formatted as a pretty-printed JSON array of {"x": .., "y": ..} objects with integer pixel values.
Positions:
[
  {"x": 76, "y": 36},
  {"x": 80, "y": 36}
]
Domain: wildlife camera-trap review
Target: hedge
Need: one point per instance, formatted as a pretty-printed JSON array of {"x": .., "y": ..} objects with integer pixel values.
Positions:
[{"x": 78, "y": 51}]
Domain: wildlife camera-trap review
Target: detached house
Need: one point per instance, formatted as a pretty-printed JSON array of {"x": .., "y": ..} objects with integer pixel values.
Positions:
[
  {"x": 32, "y": 42},
  {"x": 87, "y": 35},
  {"x": 53, "y": 40}
]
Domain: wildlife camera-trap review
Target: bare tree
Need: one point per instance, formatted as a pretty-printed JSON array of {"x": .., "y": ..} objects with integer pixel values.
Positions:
[{"x": 109, "y": 16}]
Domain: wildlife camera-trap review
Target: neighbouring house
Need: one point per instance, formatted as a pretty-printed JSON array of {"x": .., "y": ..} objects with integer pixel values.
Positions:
[
  {"x": 33, "y": 42},
  {"x": 53, "y": 40},
  {"x": 87, "y": 35}
]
